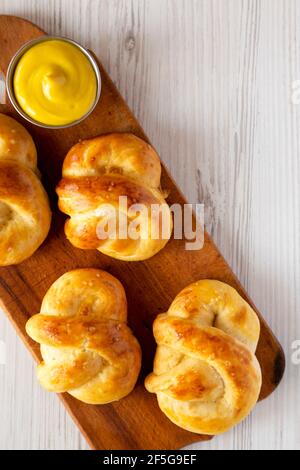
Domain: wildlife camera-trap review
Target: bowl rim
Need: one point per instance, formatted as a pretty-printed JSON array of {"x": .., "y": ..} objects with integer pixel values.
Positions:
[{"x": 11, "y": 71}]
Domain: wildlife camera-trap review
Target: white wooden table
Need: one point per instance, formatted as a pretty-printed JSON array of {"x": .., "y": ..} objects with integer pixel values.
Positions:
[{"x": 212, "y": 83}]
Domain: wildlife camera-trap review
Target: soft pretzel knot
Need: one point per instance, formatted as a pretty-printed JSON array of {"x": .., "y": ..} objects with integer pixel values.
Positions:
[
  {"x": 105, "y": 179},
  {"x": 24, "y": 208},
  {"x": 87, "y": 348},
  {"x": 206, "y": 376}
]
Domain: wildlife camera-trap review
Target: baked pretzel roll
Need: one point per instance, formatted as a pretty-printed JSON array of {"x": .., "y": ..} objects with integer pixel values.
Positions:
[
  {"x": 24, "y": 208},
  {"x": 96, "y": 173},
  {"x": 87, "y": 348},
  {"x": 206, "y": 376}
]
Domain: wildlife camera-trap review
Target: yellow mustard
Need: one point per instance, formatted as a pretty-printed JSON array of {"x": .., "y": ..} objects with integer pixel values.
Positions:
[{"x": 55, "y": 83}]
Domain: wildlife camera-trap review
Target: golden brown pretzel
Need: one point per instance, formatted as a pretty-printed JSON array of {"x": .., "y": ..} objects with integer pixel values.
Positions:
[
  {"x": 24, "y": 208},
  {"x": 87, "y": 348},
  {"x": 96, "y": 173},
  {"x": 206, "y": 376}
]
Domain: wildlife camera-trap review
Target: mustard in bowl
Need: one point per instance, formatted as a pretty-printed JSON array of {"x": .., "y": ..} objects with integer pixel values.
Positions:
[{"x": 53, "y": 82}]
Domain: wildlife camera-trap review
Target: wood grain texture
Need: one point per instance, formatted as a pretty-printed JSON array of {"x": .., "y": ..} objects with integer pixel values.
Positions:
[
  {"x": 150, "y": 285},
  {"x": 211, "y": 83}
]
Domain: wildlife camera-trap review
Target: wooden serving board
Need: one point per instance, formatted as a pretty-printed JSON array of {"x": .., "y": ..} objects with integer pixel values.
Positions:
[{"x": 136, "y": 421}]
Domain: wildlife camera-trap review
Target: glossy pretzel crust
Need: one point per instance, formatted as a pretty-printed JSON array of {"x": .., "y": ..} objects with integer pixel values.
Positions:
[
  {"x": 24, "y": 208},
  {"x": 87, "y": 348},
  {"x": 96, "y": 173},
  {"x": 206, "y": 376}
]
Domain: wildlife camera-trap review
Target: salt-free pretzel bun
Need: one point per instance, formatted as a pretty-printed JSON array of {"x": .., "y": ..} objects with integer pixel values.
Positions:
[
  {"x": 25, "y": 215},
  {"x": 206, "y": 376},
  {"x": 96, "y": 174},
  {"x": 87, "y": 348}
]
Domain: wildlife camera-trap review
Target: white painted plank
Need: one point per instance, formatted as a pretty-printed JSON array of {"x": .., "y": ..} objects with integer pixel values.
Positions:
[{"x": 211, "y": 83}]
